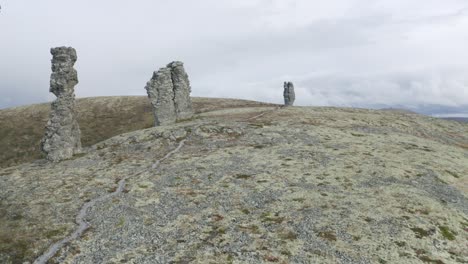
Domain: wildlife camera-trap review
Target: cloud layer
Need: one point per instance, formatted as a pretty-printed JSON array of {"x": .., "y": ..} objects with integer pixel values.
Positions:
[{"x": 350, "y": 53}]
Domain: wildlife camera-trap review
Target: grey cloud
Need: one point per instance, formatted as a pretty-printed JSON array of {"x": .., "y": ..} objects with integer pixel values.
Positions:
[
  {"x": 353, "y": 53},
  {"x": 439, "y": 18},
  {"x": 411, "y": 89}
]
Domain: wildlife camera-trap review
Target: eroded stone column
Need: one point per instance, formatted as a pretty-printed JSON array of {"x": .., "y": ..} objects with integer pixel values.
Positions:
[
  {"x": 288, "y": 94},
  {"x": 161, "y": 94},
  {"x": 182, "y": 89},
  {"x": 62, "y": 137},
  {"x": 169, "y": 93}
]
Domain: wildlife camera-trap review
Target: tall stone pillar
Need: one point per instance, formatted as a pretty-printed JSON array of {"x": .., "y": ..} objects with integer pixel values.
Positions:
[
  {"x": 62, "y": 137},
  {"x": 182, "y": 89},
  {"x": 169, "y": 93},
  {"x": 161, "y": 94},
  {"x": 288, "y": 94}
]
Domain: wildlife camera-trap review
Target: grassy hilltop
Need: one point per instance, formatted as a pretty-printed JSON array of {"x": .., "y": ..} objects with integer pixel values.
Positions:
[
  {"x": 100, "y": 118},
  {"x": 241, "y": 182}
]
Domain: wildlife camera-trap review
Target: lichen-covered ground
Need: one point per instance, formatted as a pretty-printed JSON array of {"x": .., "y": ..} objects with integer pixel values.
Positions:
[{"x": 252, "y": 185}]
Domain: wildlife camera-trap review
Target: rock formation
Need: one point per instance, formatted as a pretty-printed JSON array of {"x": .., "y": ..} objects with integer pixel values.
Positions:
[
  {"x": 169, "y": 93},
  {"x": 161, "y": 93},
  {"x": 63, "y": 136},
  {"x": 289, "y": 95},
  {"x": 180, "y": 80}
]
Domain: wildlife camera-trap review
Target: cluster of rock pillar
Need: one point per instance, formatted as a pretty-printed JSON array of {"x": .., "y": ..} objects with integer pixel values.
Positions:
[
  {"x": 62, "y": 137},
  {"x": 288, "y": 94},
  {"x": 168, "y": 90},
  {"x": 169, "y": 93}
]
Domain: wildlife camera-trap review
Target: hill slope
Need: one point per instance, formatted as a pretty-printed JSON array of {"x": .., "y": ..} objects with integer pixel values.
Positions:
[
  {"x": 100, "y": 118},
  {"x": 249, "y": 185}
]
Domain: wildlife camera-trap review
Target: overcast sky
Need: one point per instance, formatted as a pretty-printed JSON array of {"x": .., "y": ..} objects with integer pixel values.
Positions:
[{"x": 364, "y": 53}]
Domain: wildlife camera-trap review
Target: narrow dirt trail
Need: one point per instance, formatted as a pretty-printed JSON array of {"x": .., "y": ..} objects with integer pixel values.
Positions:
[
  {"x": 263, "y": 113},
  {"x": 83, "y": 225}
]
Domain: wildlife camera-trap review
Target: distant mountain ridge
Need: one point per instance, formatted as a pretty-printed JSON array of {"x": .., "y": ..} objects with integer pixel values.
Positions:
[
  {"x": 428, "y": 109},
  {"x": 459, "y": 119}
]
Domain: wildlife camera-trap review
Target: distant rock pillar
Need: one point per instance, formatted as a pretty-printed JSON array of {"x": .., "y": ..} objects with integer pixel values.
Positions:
[
  {"x": 62, "y": 137},
  {"x": 169, "y": 93},
  {"x": 182, "y": 89},
  {"x": 288, "y": 94}
]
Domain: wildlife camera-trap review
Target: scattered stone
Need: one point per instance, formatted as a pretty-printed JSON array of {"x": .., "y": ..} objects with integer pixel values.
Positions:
[
  {"x": 63, "y": 136},
  {"x": 169, "y": 93},
  {"x": 289, "y": 95},
  {"x": 180, "y": 80}
]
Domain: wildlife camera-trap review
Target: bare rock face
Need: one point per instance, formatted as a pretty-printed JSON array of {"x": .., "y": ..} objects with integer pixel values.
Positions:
[
  {"x": 180, "y": 80},
  {"x": 169, "y": 93},
  {"x": 161, "y": 93},
  {"x": 63, "y": 136},
  {"x": 289, "y": 95}
]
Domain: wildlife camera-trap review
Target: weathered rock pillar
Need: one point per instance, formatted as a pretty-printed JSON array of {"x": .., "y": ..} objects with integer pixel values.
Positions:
[
  {"x": 182, "y": 89},
  {"x": 169, "y": 93},
  {"x": 62, "y": 137},
  {"x": 289, "y": 95},
  {"x": 161, "y": 93}
]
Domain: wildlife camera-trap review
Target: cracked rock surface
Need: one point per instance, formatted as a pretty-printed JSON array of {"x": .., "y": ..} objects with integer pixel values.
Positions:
[
  {"x": 252, "y": 185},
  {"x": 169, "y": 93},
  {"x": 182, "y": 89},
  {"x": 161, "y": 93},
  {"x": 62, "y": 137}
]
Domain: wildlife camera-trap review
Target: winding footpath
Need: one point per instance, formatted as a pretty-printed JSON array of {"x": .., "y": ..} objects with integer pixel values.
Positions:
[
  {"x": 80, "y": 218},
  {"x": 262, "y": 114},
  {"x": 83, "y": 225}
]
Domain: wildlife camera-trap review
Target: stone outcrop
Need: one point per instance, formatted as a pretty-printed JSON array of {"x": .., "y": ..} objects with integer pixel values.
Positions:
[
  {"x": 288, "y": 94},
  {"x": 62, "y": 136},
  {"x": 161, "y": 93},
  {"x": 169, "y": 93},
  {"x": 180, "y": 80}
]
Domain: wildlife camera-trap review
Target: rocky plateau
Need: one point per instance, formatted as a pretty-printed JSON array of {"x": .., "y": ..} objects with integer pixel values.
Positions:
[{"x": 239, "y": 182}]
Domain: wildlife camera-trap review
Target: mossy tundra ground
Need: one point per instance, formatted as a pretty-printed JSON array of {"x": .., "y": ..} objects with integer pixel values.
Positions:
[{"x": 252, "y": 185}]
